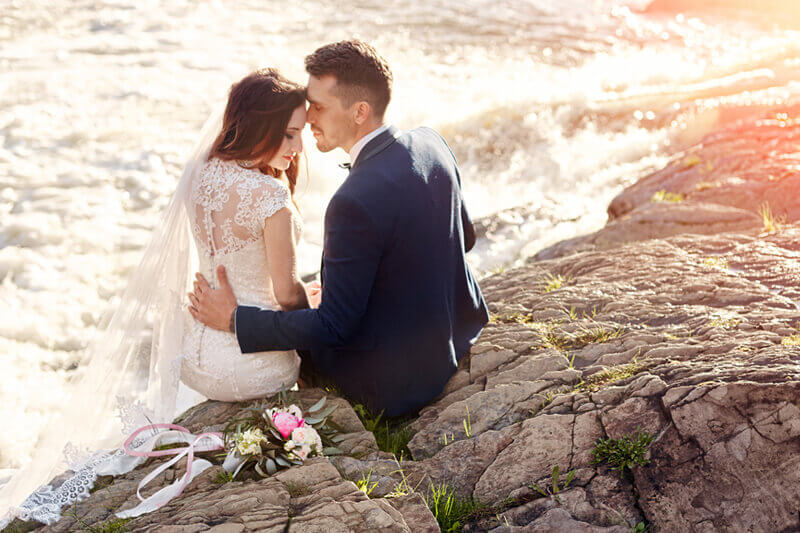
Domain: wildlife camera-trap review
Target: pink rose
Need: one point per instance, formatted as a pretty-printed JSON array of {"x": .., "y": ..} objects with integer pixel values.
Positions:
[{"x": 285, "y": 423}]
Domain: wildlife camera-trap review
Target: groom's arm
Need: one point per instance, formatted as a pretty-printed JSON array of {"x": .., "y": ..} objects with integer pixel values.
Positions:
[{"x": 351, "y": 254}]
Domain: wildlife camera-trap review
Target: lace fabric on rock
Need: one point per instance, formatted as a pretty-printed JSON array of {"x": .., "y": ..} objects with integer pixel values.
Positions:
[{"x": 151, "y": 342}]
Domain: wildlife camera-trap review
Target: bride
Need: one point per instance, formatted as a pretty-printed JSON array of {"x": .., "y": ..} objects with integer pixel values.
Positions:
[
  {"x": 243, "y": 217},
  {"x": 233, "y": 207}
]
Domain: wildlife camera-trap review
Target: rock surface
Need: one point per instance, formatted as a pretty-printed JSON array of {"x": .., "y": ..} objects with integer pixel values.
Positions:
[{"x": 676, "y": 324}]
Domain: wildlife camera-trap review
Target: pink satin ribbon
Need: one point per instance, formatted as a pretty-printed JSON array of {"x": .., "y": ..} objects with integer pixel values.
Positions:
[{"x": 178, "y": 452}]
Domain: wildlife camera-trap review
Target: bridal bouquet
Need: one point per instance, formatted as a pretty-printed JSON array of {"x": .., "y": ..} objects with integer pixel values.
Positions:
[
  {"x": 270, "y": 438},
  {"x": 263, "y": 437}
]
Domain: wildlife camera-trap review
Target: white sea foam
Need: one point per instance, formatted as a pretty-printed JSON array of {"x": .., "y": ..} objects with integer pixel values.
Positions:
[{"x": 551, "y": 107}]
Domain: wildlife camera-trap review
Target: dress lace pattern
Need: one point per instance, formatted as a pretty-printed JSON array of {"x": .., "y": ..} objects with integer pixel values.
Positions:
[
  {"x": 228, "y": 207},
  {"x": 229, "y": 204}
]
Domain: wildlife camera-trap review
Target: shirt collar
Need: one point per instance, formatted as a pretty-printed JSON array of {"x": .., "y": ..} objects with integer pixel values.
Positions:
[{"x": 362, "y": 142}]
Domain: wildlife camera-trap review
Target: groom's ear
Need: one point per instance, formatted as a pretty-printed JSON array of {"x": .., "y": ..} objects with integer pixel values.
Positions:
[{"x": 363, "y": 112}]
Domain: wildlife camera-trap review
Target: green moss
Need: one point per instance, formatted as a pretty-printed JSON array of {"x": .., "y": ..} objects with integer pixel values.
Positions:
[
  {"x": 18, "y": 526},
  {"x": 296, "y": 490}
]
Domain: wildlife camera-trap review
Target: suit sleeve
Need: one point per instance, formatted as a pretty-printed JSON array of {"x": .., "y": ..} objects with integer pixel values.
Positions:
[{"x": 351, "y": 256}]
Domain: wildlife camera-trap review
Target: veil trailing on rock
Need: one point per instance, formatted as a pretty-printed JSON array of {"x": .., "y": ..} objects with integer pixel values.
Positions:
[{"x": 133, "y": 369}]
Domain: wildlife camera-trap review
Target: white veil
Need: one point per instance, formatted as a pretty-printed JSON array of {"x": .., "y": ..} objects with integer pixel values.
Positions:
[{"x": 133, "y": 369}]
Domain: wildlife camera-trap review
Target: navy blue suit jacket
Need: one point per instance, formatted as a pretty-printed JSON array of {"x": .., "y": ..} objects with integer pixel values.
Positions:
[{"x": 399, "y": 306}]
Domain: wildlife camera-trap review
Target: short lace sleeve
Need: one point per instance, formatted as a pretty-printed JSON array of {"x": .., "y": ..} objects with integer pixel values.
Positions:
[{"x": 275, "y": 196}]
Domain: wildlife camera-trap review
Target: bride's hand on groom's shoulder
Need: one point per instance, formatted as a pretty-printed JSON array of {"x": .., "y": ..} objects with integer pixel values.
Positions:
[
  {"x": 314, "y": 293},
  {"x": 213, "y": 307}
]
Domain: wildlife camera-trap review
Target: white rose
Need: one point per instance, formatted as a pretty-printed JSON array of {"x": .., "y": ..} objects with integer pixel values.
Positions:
[
  {"x": 302, "y": 453},
  {"x": 299, "y": 435},
  {"x": 249, "y": 442}
]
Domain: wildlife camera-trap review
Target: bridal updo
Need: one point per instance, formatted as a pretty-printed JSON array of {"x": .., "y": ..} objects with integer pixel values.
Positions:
[{"x": 256, "y": 116}]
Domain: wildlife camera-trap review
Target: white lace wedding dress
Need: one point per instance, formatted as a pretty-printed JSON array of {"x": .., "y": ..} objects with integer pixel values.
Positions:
[{"x": 228, "y": 207}]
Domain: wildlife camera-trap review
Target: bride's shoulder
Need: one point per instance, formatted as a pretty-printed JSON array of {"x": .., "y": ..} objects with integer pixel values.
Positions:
[
  {"x": 227, "y": 172},
  {"x": 237, "y": 173}
]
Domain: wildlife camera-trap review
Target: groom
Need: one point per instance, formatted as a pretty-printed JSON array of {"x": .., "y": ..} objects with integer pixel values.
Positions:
[{"x": 399, "y": 304}]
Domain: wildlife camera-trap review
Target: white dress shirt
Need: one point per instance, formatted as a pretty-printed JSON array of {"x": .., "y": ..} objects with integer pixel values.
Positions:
[{"x": 362, "y": 142}]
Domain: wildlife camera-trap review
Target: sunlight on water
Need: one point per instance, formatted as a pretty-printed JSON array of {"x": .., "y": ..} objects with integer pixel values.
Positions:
[{"x": 551, "y": 108}]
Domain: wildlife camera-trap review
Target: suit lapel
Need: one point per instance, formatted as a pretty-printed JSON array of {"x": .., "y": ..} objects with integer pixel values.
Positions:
[
  {"x": 376, "y": 145},
  {"x": 373, "y": 148}
]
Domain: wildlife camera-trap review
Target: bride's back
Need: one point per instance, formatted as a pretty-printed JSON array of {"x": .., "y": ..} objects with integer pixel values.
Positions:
[
  {"x": 229, "y": 204},
  {"x": 227, "y": 208}
]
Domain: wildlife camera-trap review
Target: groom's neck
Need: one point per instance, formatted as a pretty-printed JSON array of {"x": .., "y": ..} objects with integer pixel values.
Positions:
[{"x": 364, "y": 129}]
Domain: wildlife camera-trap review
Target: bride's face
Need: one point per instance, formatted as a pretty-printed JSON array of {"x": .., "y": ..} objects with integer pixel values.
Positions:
[{"x": 292, "y": 142}]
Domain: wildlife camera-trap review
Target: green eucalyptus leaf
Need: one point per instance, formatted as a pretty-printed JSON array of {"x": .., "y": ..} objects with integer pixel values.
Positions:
[
  {"x": 271, "y": 466},
  {"x": 317, "y": 406},
  {"x": 338, "y": 438},
  {"x": 312, "y": 421},
  {"x": 281, "y": 461},
  {"x": 331, "y": 450},
  {"x": 259, "y": 471},
  {"x": 327, "y": 411}
]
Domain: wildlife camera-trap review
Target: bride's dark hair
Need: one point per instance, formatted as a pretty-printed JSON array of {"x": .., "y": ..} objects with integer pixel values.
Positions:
[{"x": 258, "y": 111}]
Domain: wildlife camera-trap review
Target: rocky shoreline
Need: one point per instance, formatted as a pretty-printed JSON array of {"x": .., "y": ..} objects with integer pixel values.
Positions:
[{"x": 654, "y": 363}]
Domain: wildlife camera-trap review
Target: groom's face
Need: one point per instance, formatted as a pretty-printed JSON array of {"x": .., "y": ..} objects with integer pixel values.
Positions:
[{"x": 332, "y": 124}]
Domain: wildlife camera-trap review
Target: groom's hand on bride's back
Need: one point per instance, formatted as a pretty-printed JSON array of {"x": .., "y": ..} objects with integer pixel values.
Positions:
[{"x": 213, "y": 307}]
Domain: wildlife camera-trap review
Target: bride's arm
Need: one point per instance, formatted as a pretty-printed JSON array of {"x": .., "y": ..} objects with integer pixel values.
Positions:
[{"x": 280, "y": 243}]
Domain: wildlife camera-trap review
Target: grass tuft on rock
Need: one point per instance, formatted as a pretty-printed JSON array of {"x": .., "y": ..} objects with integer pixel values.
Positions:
[
  {"x": 664, "y": 196},
  {"x": 596, "y": 334},
  {"x": 554, "y": 282},
  {"x": 725, "y": 323},
  {"x": 364, "y": 485},
  {"x": 450, "y": 511},
  {"x": 625, "y": 452},
  {"x": 716, "y": 262},
  {"x": 392, "y": 436},
  {"x": 770, "y": 223},
  {"x": 791, "y": 340},
  {"x": 223, "y": 477},
  {"x": 611, "y": 375}
]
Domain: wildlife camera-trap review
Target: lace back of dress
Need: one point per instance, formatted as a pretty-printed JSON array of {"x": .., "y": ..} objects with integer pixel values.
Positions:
[{"x": 229, "y": 204}]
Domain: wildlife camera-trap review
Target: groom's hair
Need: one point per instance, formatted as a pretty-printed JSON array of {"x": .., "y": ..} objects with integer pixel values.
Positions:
[{"x": 360, "y": 72}]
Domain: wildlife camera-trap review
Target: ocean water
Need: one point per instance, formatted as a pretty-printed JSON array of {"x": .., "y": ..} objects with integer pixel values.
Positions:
[{"x": 551, "y": 106}]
